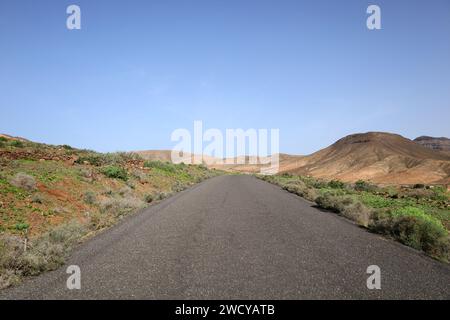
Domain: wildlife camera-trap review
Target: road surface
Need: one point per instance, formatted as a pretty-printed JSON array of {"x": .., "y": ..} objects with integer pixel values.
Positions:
[{"x": 237, "y": 237}]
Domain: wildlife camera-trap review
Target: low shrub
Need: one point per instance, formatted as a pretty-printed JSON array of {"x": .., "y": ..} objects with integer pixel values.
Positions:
[
  {"x": 119, "y": 207},
  {"x": 162, "y": 195},
  {"x": 89, "y": 197},
  {"x": 115, "y": 172},
  {"x": 346, "y": 206},
  {"x": 418, "y": 193},
  {"x": 37, "y": 198},
  {"x": 178, "y": 186},
  {"x": 16, "y": 143},
  {"x": 357, "y": 212},
  {"x": 47, "y": 252},
  {"x": 125, "y": 191},
  {"x": 164, "y": 166},
  {"x": 140, "y": 176},
  {"x": 23, "y": 181},
  {"x": 440, "y": 193},
  {"x": 413, "y": 227},
  {"x": 362, "y": 185},
  {"x": 92, "y": 159},
  {"x": 332, "y": 202},
  {"x": 301, "y": 189},
  {"x": 86, "y": 173},
  {"x": 21, "y": 226},
  {"x": 336, "y": 184},
  {"x": 149, "y": 198}
]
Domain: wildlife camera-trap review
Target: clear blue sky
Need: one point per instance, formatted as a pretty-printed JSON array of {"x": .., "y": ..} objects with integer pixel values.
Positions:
[{"x": 137, "y": 70}]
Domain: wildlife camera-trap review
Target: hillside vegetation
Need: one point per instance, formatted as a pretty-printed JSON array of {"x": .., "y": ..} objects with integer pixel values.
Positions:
[
  {"x": 417, "y": 216},
  {"x": 51, "y": 197}
]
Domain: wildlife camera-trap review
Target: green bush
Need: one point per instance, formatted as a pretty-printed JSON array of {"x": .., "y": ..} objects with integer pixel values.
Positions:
[
  {"x": 362, "y": 185},
  {"x": 3, "y": 139},
  {"x": 413, "y": 227},
  {"x": 440, "y": 193},
  {"x": 21, "y": 226},
  {"x": 92, "y": 159},
  {"x": 164, "y": 166},
  {"x": 16, "y": 143},
  {"x": 417, "y": 213},
  {"x": 115, "y": 172},
  {"x": 336, "y": 184}
]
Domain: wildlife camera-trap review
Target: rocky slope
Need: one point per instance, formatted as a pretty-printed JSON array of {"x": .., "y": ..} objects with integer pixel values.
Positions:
[{"x": 440, "y": 144}]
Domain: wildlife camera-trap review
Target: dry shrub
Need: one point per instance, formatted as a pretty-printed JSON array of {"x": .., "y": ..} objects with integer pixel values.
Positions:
[
  {"x": 357, "y": 212},
  {"x": 23, "y": 181},
  {"x": 301, "y": 189},
  {"x": 89, "y": 197},
  {"x": 47, "y": 252},
  {"x": 418, "y": 193},
  {"x": 346, "y": 206},
  {"x": 118, "y": 207},
  {"x": 126, "y": 191},
  {"x": 140, "y": 176}
]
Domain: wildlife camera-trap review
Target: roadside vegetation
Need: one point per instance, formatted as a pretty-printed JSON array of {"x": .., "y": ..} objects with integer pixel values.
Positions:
[
  {"x": 417, "y": 216},
  {"x": 53, "y": 197}
]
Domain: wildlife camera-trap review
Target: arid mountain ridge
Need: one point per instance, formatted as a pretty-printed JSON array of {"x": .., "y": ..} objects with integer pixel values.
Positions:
[
  {"x": 379, "y": 157},
  {"x": 440, "y": 144}
]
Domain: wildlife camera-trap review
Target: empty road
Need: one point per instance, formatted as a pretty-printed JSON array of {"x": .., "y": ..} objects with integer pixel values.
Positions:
[{"x": 237, "y": 237}]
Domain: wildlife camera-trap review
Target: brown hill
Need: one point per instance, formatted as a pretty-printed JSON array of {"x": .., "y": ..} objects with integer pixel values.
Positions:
[
  {"x": 13, "y": 138},
  {"x": 378, "y": 157},
  {"x": 441, "y": 144}
]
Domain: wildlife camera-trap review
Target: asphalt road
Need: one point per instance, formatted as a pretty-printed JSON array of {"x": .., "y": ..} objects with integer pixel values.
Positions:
[{"x": 237, "y": 237}]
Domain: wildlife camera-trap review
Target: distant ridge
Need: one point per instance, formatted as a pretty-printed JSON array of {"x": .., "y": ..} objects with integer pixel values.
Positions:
[
  {"x": 441, "y": 144},
  {"x": 379, "y": 157}
]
